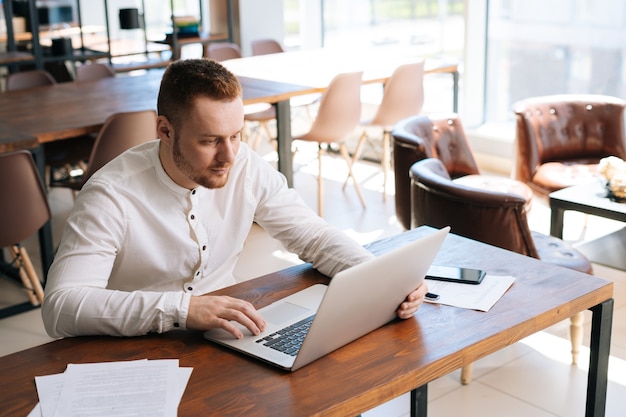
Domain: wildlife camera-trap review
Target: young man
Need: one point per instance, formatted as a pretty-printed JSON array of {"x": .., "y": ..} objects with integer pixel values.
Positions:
[{"x": 156, "y": 229}]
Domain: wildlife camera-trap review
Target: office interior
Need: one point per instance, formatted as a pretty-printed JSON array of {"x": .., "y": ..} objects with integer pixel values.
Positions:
[{"x": 507, "y": 50}]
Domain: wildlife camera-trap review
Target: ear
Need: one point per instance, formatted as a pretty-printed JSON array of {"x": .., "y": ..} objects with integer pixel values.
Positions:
[{"x": 165, "y": 130}]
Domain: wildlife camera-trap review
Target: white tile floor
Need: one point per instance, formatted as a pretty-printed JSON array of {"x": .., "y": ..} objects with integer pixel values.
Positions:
[{"x": 533, "y": 377}]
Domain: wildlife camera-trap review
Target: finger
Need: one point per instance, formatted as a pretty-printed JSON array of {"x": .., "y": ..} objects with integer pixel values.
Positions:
[{"x": 246, "y": 315}]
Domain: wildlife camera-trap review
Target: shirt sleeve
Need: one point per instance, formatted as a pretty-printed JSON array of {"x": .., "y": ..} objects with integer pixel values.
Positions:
[
  {"x": 286, "y": 217},
  {"x": 77, "y": 300}
]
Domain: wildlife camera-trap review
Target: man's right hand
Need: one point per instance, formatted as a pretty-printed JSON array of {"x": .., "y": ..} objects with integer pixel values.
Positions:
[{"x": 209, "y": 312}]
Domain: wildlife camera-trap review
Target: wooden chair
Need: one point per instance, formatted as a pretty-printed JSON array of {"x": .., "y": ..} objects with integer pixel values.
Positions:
[
  {"x": 337, "y": 117},
  {"x": 24, "y": 210},
  {"x": 498, "y": 218},
  {"x": 94, "y": 71},
  {"x": 403, "y": 97},
  {"x": 120, "y": 132}
]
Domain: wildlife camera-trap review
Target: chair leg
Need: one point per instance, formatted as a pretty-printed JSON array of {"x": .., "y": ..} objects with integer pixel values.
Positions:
[
  {"x": 357, "y": 154},
  {"x": 466, "y": 374},
  {"x": 576, "y": 335},
  {"x": 346, "y": 156},
  {"x": 27, "y": 274}
]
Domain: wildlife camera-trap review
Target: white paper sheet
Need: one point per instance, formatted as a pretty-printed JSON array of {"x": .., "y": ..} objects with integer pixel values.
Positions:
[
  {"x": 49, "y": 389},
  {"x": 127, "y": 388},
  {"x": 476, "y": 297}
]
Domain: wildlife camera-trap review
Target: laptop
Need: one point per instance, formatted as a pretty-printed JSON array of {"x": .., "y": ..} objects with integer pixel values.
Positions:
[{"x": 324, "y": 318}]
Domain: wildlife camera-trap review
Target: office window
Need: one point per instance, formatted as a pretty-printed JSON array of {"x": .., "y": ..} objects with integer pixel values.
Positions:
[
  {"x": 561, "y": 46},
  {"x": 436, "y": 26}
]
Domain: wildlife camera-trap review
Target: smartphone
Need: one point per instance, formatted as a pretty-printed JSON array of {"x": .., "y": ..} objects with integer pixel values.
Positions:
[{"x": 455, "y": 274}]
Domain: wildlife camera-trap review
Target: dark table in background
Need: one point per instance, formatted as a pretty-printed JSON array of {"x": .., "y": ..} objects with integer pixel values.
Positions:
[{"x": 592, "y": 198}]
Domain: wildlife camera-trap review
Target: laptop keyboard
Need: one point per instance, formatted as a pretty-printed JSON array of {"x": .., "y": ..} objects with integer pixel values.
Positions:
[{"x": 289, "y": 339}]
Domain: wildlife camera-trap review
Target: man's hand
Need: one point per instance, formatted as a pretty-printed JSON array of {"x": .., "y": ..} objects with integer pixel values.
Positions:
[
  {"x": 413, "y": 302},
  {"x": 209, "y": 312}
]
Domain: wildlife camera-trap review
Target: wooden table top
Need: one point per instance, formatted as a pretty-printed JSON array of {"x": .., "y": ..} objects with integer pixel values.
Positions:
[
  {"x": 317, "y": 67},
  {"x": 76, "y": 108},
  {"x": 392, "y": 360}
]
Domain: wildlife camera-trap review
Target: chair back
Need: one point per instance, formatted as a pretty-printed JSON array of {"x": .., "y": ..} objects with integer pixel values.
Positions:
[
  {"x": 339, "y": 109},
  {"x": 94, "y": 71},
  {"x": 493, "y": 217},
  {"x": 29, "y": 79},
  {"x": 419, "y": 137},
  {"x": 223, "y": 51},
  {"x": 120, "y": 132},
  {"x": 567, "y": 128},
  {"x": 266, "y": 46},
  {"x": 24, "y": 207},
  {"x": 403, "y": 95}
]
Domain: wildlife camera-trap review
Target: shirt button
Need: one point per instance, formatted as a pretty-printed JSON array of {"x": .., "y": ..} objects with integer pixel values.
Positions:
[
  {"x": 193, "y": 192},
  {"x": 190, "y": 288},
  {"x": 176, "y": 325},
  {"x": 203, "y": 247},
  {"x": 197, "y": 273},
  {"x": 193, "y": 217}
]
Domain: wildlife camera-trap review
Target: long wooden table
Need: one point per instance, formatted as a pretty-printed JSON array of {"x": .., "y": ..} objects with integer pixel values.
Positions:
[
  {"x": 72, "y": 109},
  {"x": 402, "y": 356}
]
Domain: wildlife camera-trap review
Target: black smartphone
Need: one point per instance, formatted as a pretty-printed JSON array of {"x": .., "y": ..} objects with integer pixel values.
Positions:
[{"x": 455, "y": 274}]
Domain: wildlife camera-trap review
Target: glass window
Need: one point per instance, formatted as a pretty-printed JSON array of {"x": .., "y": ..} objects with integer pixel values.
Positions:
[{"x": 562, "y": 46}]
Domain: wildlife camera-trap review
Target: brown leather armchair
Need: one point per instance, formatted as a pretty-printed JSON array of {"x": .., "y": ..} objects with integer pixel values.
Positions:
[
  {"x": 419, "y": 137},
  {"x": 442, "y": 137},
  {"x": 561, "y": 138},
  {"x": 493, "y": 217}
]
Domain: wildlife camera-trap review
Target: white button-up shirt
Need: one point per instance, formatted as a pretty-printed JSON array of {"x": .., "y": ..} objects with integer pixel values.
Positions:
[{"x": 137, "y": 246}]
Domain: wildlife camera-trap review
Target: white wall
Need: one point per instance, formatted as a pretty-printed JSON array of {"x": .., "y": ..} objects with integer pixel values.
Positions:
[{"x": 259, "y": 19}]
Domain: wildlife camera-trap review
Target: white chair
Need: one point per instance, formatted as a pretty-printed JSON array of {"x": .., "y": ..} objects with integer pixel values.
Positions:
[
  {"x": 403, "y": 96},
  {"x": 337, "y": 117}
]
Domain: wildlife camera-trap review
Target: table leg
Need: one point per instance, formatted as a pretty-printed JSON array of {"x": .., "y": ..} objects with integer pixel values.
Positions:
[
  {"x": 283, "y": 128},
  {"x": 599, "y": 358},
  {"x": 556, "y": 222},
  {"x": 419, "y": 401},
  {"x": 455, "y": 89}
]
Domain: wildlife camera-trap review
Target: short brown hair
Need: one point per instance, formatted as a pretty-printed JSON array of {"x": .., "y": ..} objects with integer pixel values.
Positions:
[{"x": 187, "y": 79}]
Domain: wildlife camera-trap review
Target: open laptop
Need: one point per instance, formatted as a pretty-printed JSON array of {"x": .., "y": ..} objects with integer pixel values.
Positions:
[{"x": 357, "y": 300}]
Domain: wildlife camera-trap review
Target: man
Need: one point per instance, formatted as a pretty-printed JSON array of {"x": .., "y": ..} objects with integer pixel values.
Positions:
[{"x": 159, "y": 227}]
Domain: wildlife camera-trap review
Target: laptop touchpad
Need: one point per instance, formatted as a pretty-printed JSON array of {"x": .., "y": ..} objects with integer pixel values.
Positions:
[{"x": 283, "y": 312}]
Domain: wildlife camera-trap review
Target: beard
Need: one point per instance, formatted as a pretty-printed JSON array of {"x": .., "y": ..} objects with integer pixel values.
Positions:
[{"x": 203, "y": 177}]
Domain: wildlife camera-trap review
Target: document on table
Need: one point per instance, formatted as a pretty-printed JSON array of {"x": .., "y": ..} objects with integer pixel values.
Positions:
[
  {"x": 142, "y": 387},
  {"x": 476, "y": 297}
]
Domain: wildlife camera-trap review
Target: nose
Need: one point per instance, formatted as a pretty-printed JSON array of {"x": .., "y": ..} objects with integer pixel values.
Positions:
[{"x": 227, "y": 151}]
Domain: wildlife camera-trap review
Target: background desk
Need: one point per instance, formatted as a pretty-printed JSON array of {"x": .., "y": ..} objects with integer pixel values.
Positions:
[{"x": 390, "y": 361}]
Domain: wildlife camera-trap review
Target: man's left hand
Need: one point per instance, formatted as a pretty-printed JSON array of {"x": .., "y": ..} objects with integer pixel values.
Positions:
[{"x": 413, "y": 302}]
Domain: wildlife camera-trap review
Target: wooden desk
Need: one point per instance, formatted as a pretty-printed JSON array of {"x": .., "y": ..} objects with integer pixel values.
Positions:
[{"x": 397, "y": 358}]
